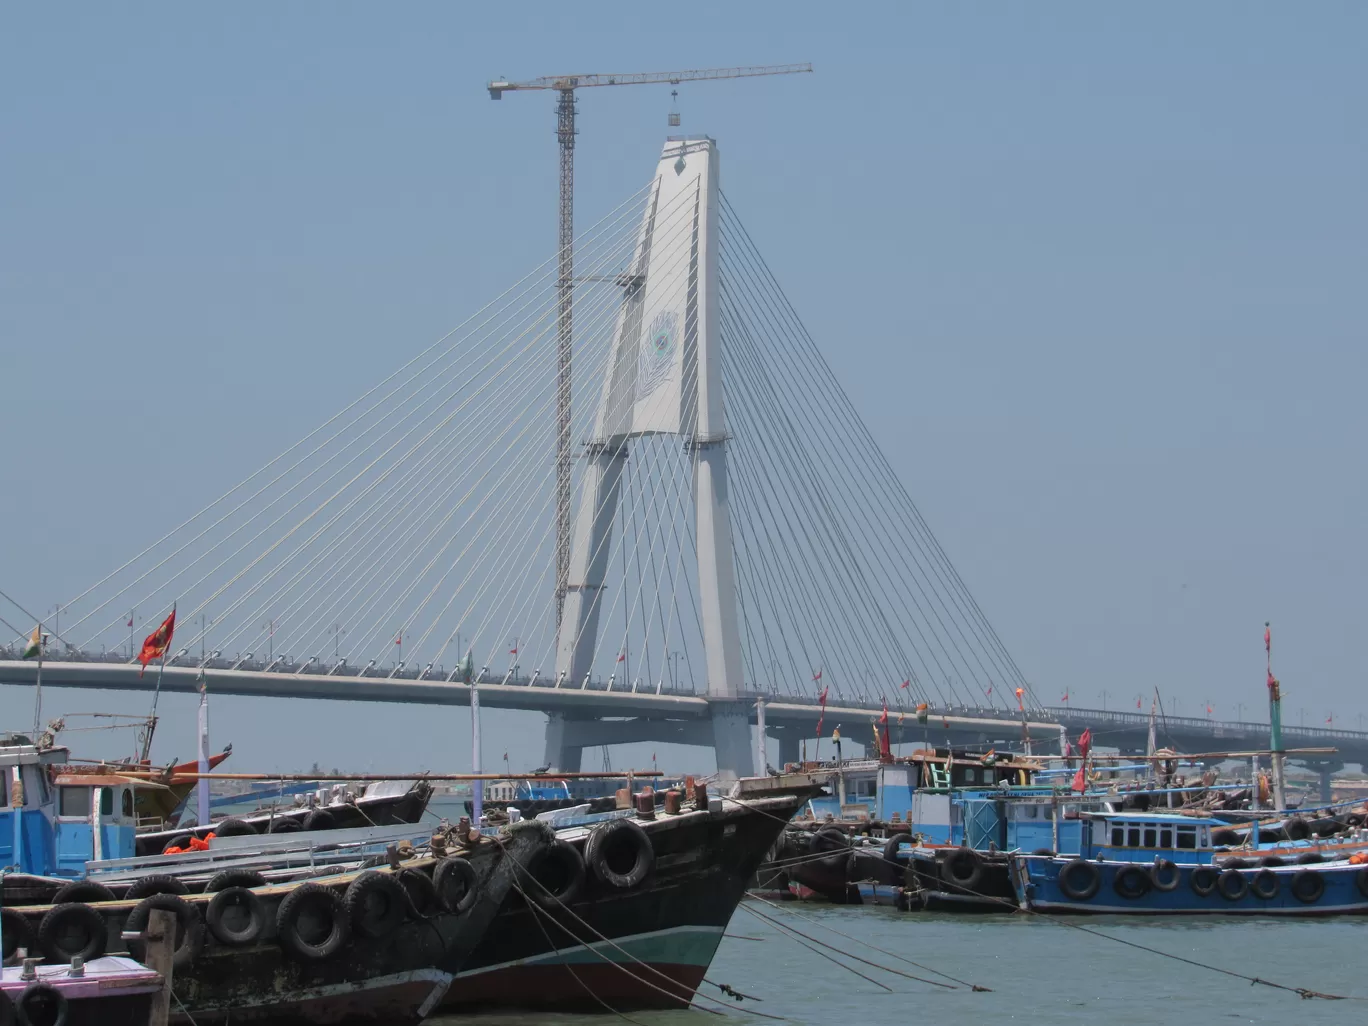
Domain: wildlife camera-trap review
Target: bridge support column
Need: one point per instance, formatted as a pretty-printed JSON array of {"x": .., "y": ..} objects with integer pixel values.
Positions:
[
  {"x": 1326, "y": 791},
  {"x": 789, "y": 743},
  {"x": 562, "y": 754},
  {"x": 732, "y": 738}
]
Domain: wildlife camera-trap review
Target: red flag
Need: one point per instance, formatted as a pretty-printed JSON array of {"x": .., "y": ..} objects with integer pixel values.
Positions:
[
  {"x": 1268, "y": 639},
  {"x": 130, "y": 621},
  {"x": 821, "y": 697},
  {"x": 1020, "y": 692},
  {"x": 1137, "y": 703},
  {"x": 1065, "y": 699},
  {"x": 622, "y": 657},
  {"x": 989, "y": 692},
  {"x": 817, "y": 675},
  {"x": 1208, "y": 710},
  {"x": 512, "y": 651},
  {"x": 883, "y": 717},
  {"x": 906, "y": 684},
  {"x": 1080, "y": 780},
  {"x": 398, "y": 638},
  {"x": 154, "y": 646},
  {"x": 1330, "y": 718}
]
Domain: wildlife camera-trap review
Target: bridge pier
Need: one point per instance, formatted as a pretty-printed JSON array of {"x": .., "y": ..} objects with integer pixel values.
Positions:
[
  {"x": 789, "y": 747},
  {"x": 731, "y": 738}
]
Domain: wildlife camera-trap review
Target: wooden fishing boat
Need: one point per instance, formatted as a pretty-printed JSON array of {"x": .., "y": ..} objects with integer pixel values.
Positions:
[{"x": 108, "y": 991}]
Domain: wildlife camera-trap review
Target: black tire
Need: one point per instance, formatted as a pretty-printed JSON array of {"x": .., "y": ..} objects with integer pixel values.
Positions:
[
  {"x": 72, "y": 929},
  {"x": 890, "y": 848},
  {"x": 1235, "y": 863},
  {"x": 1361, "y": 881},
  {"x": 189, "y": 928},
  {"x": 42, "y": 1005},
  {"x": 1225, "y": 836},
  {"x": 1232, "y": 885},
  {"x": 235, "y": 916},
  {"x": 557, "y": 875},
  {"x": 1203, "y": 881},
  {"x": 1131, "y": 882},
  {"x": 1265, "y": 885},
  {"x": 963, "y": 867},
  {"x": 1271, "y": 861},
  {"x": 1047, "y": 852},
  {"x": 376, "y": 904},
  {"x": 622, "y": 856},
  {"x": 284, "y": 826},
  {"x": 829, "y": 839},
  {"x": 454, "y": 881},
  {"x": 1080, "y": 880},
  {"x": 422, "y": 895},
  {"x": 312, "y": 923},
  {"x": 1308, "y": 886},
  {"x": 181, "y": 841},
  {"x": 84, "y": 891},
  {"x": 226, "y": 878},
  {"x": 1310, "y": 858},
  {"x": 1297, "y": 829},
  {"x": 1164, "y": 875},
  {"x": 8, "y": 1016},
  {"x": 1325, "y": 827},
  {"x": 160, "y": 884},
  {"x": 233, "y": 827},
  {"x": 1354, "y": 819},
  {"x": 320, "y": 819},
  {"x": 17, "y": 932}
]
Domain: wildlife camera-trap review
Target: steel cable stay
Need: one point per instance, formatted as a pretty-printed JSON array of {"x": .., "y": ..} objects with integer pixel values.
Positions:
[
  {"x": 843, "y": 567},
  {"x": 787, "y": 366},
  {"x": 898, "y": 496},
  {"x": 468, "y": 399},
  {"x": 880, "y": 480},
  {"x": 415, "y": 374}
]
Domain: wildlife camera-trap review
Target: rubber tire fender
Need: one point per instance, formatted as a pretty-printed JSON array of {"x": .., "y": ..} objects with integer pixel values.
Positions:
[
  {"x": 446, "y": 875},
  {"x": 284, "y": 825},
  {"x": 575, "y": 872},
  {"x": 160, "y": 884},
  {"x": 1225, "y": 836},
  {"x": 1310, "y": 858},
  {"x": 380, "y": 917},
  {"x": 422, "y": 895},
  {"x": 233, "y": 827},
  {"x": 66, "y": 916},
  {"x": 1361, "y": 881},
  {"x": 320, "y": 819},
  {"x": 1164, "y": 875},
  {"x": 189, "y": 928},
  {"x": 17, "y": 932},
  {"x": 890, "y": 848},
  {"x": 607, "y": 833},
  {"x": 831, "y": 840},
  {"x": 1297, "y": 829},
  {"x": 1131, "y": 882},
  {"x": 226, "y": 878},
  {"x": 1265, "y": 885},
  {"x": 1049, "y": 853},
  {"x": 1235, "y": 863},
  {"x": 241, "y": 897},
  {"x": 959, "y": 857},
  {"x": 1079, "y": 892},
  {"x": 287, "y": 922},
  {"x": 8, "y": 1015},
  {"x": 42, "y": 992},
  {"x": 1308, "y": 878},
  {"x": 1203, "y": 880},
  {"x": 1271, "y": 861},
  {"x": 84, "y": 891},
  {"x": 1232, "y": 885}
]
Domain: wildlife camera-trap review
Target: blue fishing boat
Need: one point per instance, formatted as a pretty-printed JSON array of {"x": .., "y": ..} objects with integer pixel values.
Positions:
[{"x": 1167, "y": 865}]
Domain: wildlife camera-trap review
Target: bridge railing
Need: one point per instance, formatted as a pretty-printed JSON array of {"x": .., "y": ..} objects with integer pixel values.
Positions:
[{"x": 1196, "y": 724}]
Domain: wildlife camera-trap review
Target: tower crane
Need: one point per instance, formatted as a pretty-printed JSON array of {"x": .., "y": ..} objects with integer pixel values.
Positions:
[{"x": 565, "y": 86}]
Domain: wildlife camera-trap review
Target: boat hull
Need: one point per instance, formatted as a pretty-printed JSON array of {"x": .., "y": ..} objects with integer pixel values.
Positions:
[{"x": 645, "y": 947}]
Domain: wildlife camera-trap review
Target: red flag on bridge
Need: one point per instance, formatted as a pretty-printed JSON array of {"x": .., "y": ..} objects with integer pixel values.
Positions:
[
  {"x": 821, "y": 698},
  {"x": 906, "y": 684},
  {"x": 1268, "y": 639},
  {"x": 154, "y": 646}
]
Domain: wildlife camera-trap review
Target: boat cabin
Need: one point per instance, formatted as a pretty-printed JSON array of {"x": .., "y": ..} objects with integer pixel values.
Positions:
[
  {"x": 63, "y": 816},
  {"x": 1143, "y": 837}
]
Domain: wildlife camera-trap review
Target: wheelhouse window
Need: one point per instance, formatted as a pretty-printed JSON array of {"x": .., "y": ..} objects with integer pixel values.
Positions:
[
  {"x": 1149, "y": 837},
  {"x": 73, "y": 801},
  {"x": 1187, "y": 837},
  {"x": 1133, "y": 837},
  {"x": 1118, "y": 837},
  {"x": 106, "y": 801},
  {"x": 1166, "y": 838},
  {"x": 128, "y": 803}
]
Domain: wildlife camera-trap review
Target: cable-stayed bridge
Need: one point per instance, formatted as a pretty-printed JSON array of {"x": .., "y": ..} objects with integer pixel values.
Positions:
[{"x": 732, "y": 530}]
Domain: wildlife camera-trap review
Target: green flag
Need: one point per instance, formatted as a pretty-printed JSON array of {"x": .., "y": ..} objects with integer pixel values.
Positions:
[
  {"x": 35, "y": 645},
  {"x": 468, "y": 668}
]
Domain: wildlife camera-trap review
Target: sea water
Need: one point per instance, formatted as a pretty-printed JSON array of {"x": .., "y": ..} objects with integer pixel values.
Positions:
[{"x": 1039, "y": 971}]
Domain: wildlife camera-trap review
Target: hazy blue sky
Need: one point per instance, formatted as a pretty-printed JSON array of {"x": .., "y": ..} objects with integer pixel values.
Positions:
[{"x": 1096, "y": 277}]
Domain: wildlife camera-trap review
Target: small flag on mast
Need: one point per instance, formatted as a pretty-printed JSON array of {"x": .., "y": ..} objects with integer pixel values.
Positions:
[
  {"x": 35, "y": 645},
  {"x": 154, "y": 646}
]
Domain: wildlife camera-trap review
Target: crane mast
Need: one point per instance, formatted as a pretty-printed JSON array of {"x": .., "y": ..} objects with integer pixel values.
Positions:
[{"x": 565, "y": 86}]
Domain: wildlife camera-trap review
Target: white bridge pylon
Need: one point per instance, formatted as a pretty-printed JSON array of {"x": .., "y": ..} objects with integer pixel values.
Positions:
[{"x": 664, "y": 377}]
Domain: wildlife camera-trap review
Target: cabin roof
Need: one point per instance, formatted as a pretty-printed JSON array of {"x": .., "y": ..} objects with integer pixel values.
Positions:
[{"x": 107, "y": 780}]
